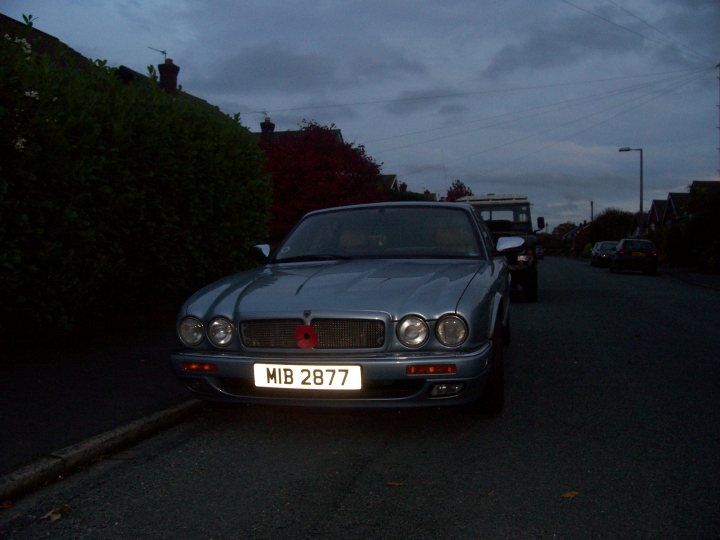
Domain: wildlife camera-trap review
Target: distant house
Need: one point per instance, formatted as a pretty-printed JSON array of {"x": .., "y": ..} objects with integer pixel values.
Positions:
[
  {"x": 267, "y": 133},
  {"x": 167, "y": 80},
  {"x": 63, "y": 55},
  {"x": 390, "y": 181},
  {"x": 656, "y": 214},
  {"x": 42, "y": 43},
  {"x": 676, "y": 208},
  {"x": 702, "y": 192}
]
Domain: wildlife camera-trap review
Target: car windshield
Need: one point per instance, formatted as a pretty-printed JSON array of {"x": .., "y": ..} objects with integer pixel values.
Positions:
[
  {"x": 388, "y": 231},
  {"x": 608, "y": 245}
]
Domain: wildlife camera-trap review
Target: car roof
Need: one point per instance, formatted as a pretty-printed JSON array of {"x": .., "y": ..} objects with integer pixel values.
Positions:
[{"x": 397, "y": 204}]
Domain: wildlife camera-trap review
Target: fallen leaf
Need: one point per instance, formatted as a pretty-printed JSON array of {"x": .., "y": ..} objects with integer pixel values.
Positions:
[
  {"x": 57, "y": 513},
  {"x": 394, "y": 484},
  {"x": 569, "y": 494}
]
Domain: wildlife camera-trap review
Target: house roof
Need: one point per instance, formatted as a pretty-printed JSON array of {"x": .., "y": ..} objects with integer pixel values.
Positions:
[
  {"x": 43, "y": 43},
  {"x": 709, "y": 187},
  {"x": 390, "y": 181},
  {"x": 66, "y": 56},
  {"x": 677, "y": 204},
  {"x": 267, "y": 133},
  {"x": 657, "y": 211}
]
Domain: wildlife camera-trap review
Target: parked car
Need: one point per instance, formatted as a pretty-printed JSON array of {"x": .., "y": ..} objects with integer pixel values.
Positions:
[
  {"x": 602, "y": 253},
  {"x": 635, "y": 254},
  {"x": 379, "y": 305}
]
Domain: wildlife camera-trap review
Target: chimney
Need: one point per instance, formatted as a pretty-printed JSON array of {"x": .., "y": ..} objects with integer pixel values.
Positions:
[
  {"x": 267, "y": 127},
  {"x": 168, "y": 76}
]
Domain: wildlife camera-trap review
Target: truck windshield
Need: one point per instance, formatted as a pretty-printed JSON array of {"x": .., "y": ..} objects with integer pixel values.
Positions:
[{"x": 515, "y": 213}]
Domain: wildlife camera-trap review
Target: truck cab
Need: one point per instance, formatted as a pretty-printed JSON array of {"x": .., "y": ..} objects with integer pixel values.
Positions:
[{"x": 509, "y": 215}]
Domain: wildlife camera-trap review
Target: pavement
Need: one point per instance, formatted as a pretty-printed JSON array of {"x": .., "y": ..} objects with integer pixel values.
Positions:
[{"x": 67, "y": 404}]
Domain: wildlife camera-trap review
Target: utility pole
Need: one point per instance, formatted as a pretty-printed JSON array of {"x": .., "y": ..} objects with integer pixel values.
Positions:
[
  {"x": 592, "y": 211},
  {"x": 718, "y": 171}
]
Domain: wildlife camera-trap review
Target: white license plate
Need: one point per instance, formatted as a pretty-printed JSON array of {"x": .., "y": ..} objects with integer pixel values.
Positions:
[{"x": 308, "y": 377}]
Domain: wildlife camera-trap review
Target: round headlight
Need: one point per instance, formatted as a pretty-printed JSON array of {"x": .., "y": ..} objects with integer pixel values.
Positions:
[
  {"x": 412, "y": 331},
  {"x": 451, "y": 330},
  {"x": 220, "y": 332},
  {"x": 190, "y": 331}
]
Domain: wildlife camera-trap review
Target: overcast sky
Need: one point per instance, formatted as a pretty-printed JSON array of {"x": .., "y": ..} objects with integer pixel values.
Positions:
[{"x": 529, "y": 97}]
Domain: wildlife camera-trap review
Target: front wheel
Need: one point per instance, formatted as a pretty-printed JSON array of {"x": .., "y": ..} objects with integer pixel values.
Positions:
[
  {"x": 493, "y": 399},
  {"x": 531, "y": 288}
]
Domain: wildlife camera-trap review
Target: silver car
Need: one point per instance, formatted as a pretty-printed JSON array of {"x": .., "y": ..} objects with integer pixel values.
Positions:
[{"x": 379, "y": 305}]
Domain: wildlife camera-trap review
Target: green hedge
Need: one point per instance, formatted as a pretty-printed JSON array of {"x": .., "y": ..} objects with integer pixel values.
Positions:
[{"x": 114, "y": 193}]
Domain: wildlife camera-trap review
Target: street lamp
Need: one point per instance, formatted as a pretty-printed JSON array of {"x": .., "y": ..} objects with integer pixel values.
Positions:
[{"x": 628, "y": 149}]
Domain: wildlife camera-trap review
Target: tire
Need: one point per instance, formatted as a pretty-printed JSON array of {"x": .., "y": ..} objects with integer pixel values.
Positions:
[
  {"x": 506, "y": 333},
  {"x": 531, "y": 288},
  {"x": 493, "y": 399}
]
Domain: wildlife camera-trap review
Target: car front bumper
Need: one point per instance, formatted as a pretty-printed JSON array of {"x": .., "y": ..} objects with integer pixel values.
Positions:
[{"x": 385, "y": 381}]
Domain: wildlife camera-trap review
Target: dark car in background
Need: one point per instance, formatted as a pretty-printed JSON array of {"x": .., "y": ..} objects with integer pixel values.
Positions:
[
  {"x": 602, "y": 253},
  {"x": 635, "y": 254}
]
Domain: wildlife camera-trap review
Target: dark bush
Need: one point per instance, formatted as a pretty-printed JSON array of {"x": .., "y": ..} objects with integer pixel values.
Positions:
[{"x": 114, "y": 194}]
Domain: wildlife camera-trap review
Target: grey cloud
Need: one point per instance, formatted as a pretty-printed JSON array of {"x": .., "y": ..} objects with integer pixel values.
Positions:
[
  {"x": 381, "y": 64},
  {"x": 272, "y": 69},
  {"x": 413, "y": 101},
  {"x": 565, "y": 42}
]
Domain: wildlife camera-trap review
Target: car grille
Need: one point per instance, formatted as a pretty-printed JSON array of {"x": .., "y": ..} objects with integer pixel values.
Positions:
[{"x": 332, "y": 333}]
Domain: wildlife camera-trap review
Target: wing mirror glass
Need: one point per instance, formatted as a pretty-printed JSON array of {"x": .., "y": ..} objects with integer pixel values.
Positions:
[{"x": 508, "y": 243}]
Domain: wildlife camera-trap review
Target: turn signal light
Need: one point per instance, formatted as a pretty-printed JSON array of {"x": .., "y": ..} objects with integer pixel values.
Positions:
[
  {"x": 432, "y": 369},
  {"x": 199, "y": 367}
]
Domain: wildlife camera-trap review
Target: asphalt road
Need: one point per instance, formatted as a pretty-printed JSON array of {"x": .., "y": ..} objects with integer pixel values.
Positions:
[{"x": 610, "y": 430}]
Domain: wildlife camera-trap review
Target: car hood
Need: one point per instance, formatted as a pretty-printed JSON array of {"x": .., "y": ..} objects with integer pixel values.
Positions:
[{"x": 396, "y": 287}]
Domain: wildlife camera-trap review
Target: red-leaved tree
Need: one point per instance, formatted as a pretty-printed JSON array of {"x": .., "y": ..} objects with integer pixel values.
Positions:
[
  {"x": 457, "y": 190},
  {"x": 314, "y": 168}
]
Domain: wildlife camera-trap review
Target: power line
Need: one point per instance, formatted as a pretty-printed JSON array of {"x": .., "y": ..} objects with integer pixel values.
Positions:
[
  {"x": 630, "y": 107},
  {"x": 653, "y": 27},
  {"x": 610, "y": 21},
  {"x": 385, "y": 101},
  {"x": 538, "y": 111}
]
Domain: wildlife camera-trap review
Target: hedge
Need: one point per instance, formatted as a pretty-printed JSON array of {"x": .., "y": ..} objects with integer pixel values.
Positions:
[{"x": 114, "y": 194}]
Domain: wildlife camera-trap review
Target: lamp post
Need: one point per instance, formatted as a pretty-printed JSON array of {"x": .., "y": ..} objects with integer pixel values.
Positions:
[{"x": 628, "y": 149}]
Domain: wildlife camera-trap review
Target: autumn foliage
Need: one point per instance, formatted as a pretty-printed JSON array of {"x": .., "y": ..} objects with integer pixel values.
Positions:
[
  {"x": 458, "y": 189},
  {"x": 314, "y": 168}
]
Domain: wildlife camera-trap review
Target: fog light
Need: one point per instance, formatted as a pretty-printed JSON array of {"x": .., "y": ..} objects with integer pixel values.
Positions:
[{"x": 446, "y": 389}]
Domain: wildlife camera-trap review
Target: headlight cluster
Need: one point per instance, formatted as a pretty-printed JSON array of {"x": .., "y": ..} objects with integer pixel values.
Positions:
[
  {"x": 220, "y": 332},
  {"x": 450, "y": 330}
]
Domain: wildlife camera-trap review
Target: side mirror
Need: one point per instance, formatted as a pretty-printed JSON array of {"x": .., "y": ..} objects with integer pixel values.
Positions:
[
  {"x": 260, "y": 253},
  {"x": 509, "y": 243},
  {"x": 541, "y": 223}
]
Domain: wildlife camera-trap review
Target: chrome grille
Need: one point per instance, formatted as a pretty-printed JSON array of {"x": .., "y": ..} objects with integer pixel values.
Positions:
[
  {"x": 270, "y": 334},
  {"x": 332, "y": 333}
]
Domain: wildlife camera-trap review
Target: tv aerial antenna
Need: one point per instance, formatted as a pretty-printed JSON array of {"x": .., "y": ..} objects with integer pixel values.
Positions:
[{"x": 164, "y": 53}]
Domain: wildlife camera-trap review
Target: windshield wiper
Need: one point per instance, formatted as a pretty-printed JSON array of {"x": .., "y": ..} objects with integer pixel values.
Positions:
[{"x": 308, "y": 258}]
